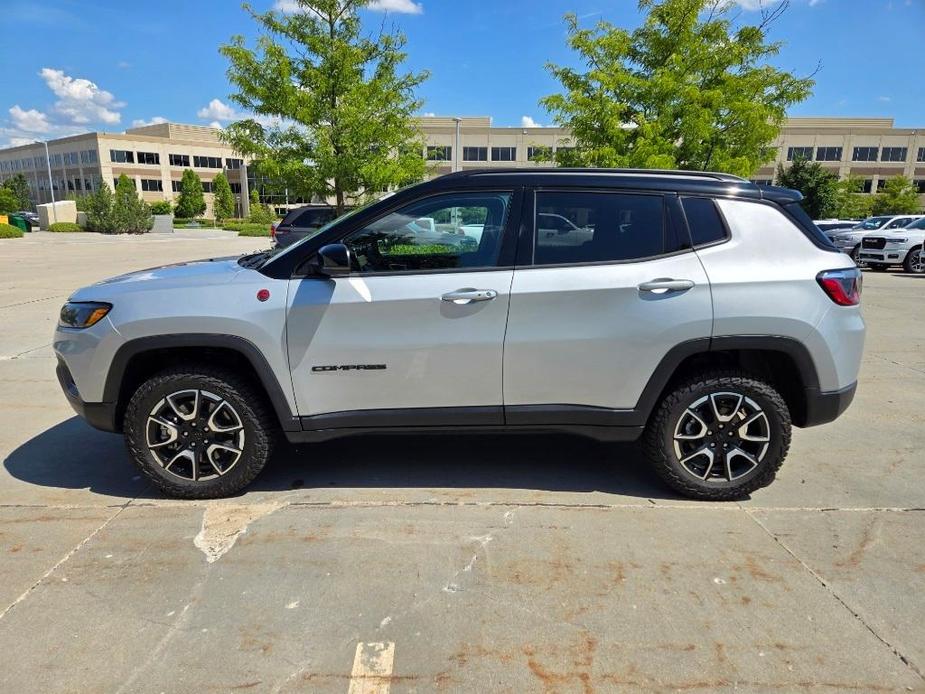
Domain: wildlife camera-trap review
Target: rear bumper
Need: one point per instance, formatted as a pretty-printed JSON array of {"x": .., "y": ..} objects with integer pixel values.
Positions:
[
  {"x": 823, "y": 407},
  {"x": 99, "y": 415}
]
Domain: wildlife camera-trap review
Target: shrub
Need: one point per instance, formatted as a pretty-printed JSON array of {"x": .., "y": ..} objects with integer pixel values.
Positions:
[
  {"x": 8, "y": 201},
  {"x": 201, "y": 221},
  {"x": 190, "y": 202},
  {"x": 133, "y": 215},
  {"x": 260, "y": 213},
  {"x": 65, "y": 227},
  {"x": 8, "y": 231},
  {"x": 222, "y": 197},
  {"x": 252, "y": 229},
  {"x": 161, "y": 207}
]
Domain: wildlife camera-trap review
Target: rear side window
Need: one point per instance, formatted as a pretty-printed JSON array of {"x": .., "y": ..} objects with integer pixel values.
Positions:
[
  {"x": 703, "y": 220},
  {"x": 313, "y": 218},
  {"x": 580, "y": 227}
]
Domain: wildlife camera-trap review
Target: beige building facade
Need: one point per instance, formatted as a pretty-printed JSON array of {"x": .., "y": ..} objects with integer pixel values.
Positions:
[{"x": 155, "y": 156}]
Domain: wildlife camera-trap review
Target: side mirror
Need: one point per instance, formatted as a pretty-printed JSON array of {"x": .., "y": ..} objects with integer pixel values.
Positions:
[{"x": 334, "y": 260}]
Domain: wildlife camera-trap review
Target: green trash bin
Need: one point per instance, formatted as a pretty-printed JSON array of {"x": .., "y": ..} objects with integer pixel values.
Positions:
[{"x": 19, "y": 221}]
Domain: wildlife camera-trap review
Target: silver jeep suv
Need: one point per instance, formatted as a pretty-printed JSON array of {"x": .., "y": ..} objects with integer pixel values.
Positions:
[{"x": 696, "y": 311}]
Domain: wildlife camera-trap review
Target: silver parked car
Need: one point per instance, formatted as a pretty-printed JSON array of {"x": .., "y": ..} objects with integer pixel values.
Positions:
[
  {"x": 896, "y": 247},
  {"x": 849, "y": 240},
  {"x": 696, "y": 311}
]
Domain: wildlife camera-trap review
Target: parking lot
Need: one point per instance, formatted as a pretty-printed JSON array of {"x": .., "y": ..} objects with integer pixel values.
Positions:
[{"x": 475, "y": 564}]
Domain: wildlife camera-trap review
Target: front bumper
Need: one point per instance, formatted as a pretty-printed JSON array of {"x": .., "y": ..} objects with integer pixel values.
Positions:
[
  {"x": 100, "y": 415},
  {"x": 886, "y": 256},
  {"x": 826, "y": 406}
]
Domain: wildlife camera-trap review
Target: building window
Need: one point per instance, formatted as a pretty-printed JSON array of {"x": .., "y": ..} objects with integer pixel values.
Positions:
[
  {"x": 149, "y": 158},
  {"x": 152, "y": 185},
  {"x": 828, "y": 153},
  {"x": 77, "y": 184},
  {"x": 865, "y": 154},
  {"x": 235, "y": 188},
  {"x": 893, "y": 154},
  {"x": 763, "y": 181},
  {"x": 233, "y": 163},
  {"x": 207, "y": 186},
  {"x": 115, "y": 182},
  {"x": 921, "y": 154},
  {"x": 56, "y": 159},
  {"x": 920, "y": 184},
  {"x": 867, "y": 185},
  {"x": 475, "y": 153},
  {"x": 178, "y": 159},
  {"x": 121, "y": 156},
  {"x": 504, "y": 154},
  {"x": 207, "y": 162},
  {"x": 176, "y": 186},
  {"x": 794, "y": 153},
  {"x": 539, "y": 153},
  {"x": 439, "y": 153},
  {"x": 88, "y": 156}
]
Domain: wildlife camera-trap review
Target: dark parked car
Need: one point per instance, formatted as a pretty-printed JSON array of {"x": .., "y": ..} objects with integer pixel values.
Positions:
[{"x": 300, "y": 222}]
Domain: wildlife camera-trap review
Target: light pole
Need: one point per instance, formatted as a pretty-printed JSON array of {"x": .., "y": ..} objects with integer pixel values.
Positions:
[
  {"x": 456, "y": 152},
  {"x": 51, "y": 185}
]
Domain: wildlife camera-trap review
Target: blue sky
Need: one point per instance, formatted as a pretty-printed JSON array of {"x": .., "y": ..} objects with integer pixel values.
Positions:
[{"x": 110, "y": 64}]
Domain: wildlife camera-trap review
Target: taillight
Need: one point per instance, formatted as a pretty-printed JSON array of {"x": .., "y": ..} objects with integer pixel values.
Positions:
[
  {"x": 842, "y": 286},
  {"x": 272, "y": 231}
]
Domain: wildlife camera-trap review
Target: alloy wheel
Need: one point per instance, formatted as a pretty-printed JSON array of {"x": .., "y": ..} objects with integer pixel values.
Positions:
[
  {"x": 722, "y": 437},
  {"x": 917, "y": 261},
  {"x": 195, "y": 435}
]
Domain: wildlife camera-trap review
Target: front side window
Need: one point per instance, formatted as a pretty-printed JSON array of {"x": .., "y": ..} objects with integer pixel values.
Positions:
[
  {"x": 579, "y": 227},
  {"x": 446, "y": 232}
]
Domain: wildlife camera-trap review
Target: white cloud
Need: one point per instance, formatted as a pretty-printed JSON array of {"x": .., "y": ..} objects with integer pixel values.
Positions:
[
  {"x": 216, "y": 124},
  {"x": 31, "y": 121},
  {"x": 80, "y": 100},
  {"x": 528, "y": 122},
  {"x": 885, "y": 99},
  {"x": 752, "y": 5},
  {"x": 287, "y": 6},
  {"x": 123, "y": 65},
  {"x": 140, "y": 122},
  {"x": 398, "y": 6},
  {"x": 428, "y": 114},
  {"x": 17, "y": 141},
  {"x": 218, "y": 110}
]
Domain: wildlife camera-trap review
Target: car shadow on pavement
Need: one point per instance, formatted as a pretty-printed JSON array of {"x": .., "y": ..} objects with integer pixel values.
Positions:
[{"x": 72, "y": 455}]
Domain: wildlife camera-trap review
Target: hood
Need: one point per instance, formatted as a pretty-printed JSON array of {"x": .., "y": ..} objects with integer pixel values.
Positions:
[{"x": 192, "y": 274}]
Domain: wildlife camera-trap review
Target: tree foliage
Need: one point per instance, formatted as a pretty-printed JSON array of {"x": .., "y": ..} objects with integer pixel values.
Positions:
[
  {"x": 191, "y": 202},
  {"x": 259, "y": 212},
  {"x": 222, "y": 198},
  {"x": 851, "y": 203},
  {"x": 689, "y": 89},
  {"x": 819, "y": 186},
  {"x": 100, "y": 211},
  {"x": 131, "y": 213},
  {"x": 898, "y": 196},
  {"x": 334, "y": 109},
  {"x": 19, "y": 187},
  {"x": 8, "y": 201}
]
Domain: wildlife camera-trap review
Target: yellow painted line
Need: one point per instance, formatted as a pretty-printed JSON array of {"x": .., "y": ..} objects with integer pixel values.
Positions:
[{"x": 372, "y": 668}]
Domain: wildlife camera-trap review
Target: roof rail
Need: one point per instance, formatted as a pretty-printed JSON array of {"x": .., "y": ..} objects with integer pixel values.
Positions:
[{"x": 681, "y": 173}]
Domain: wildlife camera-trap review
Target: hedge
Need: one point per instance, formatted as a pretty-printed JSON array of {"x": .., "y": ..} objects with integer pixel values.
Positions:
[
  {"x": 252, "y": 229},
  {"x": 8, "y": 231},
  {"x": 65, "y": 227},
  {"x": 201, "y": 221}
]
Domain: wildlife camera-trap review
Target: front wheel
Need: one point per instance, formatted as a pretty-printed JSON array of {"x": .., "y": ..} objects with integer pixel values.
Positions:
[
  {"x": 856, "y": 256},
  {"x": 719, "y": 436},
  {"x": 915, "y": 261},
  {"x": 198, "y": 432}
]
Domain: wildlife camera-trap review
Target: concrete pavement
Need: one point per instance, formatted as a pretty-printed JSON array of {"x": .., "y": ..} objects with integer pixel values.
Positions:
[{"x": 470, "y": 564}]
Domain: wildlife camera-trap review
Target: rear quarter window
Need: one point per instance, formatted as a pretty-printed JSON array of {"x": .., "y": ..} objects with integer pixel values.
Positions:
[{"x": 703, "y": 220}]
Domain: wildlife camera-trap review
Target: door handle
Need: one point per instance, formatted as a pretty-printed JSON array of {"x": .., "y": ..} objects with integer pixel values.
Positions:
[
  {"x": 663, "y": 285},
  {"x": 467, "y": 296}
]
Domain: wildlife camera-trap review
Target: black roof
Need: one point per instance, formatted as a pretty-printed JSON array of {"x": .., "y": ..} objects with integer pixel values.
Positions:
[{"x": 702, "y": 182}]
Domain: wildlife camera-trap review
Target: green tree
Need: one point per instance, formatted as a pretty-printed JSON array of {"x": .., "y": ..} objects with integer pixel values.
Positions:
[
  {"x": 686, "y": 90},
  {"x": 339, "y": 106},
  {"x": 899, "y": 196},
  {"x": 260, "y": 213},
  {"x": 851, "y": 203},
  {"x": 8, "y": 201},
  {"x": 819, "y": 187},
  {"x": 131, "y": 213},
  {"x": 100, "y": 215},
  {"x": 223, "y": 198},
  {"x": 190, "y": 202},
  {"x": 20, "y": 188}
]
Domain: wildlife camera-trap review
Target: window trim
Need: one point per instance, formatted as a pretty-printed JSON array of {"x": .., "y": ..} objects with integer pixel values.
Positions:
[
  {"x": 505, "y": 252},
  {"x": 528, "y": 228}
]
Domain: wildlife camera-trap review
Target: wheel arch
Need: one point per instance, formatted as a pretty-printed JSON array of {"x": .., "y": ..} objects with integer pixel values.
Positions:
[{"x": 137, "y": 359}]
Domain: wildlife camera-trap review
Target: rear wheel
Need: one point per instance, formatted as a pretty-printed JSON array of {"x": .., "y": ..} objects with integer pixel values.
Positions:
[
  {"x": 720, "y": 435},
  {"x": 198, "y": 432},
  {"x": 915, "y": 261}
]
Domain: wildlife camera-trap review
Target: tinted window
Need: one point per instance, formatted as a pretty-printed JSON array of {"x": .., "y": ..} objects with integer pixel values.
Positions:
[
  {"x": 596, "y": 227},
  {"x": 703, "y": 220},
  {"x": 461, "y": 230},
  {"x": 312, "y": 218}
]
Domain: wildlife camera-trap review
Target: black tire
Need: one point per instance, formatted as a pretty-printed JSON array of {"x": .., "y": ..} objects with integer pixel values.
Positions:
[
  {"x": 915, "y": 261},
  {"x": 249, "y": 405},
  {"x": 856, "y": 256},
  {"x": 659, "y": 437}
]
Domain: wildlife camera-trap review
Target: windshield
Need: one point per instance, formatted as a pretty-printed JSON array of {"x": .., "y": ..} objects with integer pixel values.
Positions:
[{"x": 872, "y": 223}]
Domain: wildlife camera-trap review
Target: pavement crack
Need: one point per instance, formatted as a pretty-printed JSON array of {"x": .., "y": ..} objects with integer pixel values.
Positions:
[{"x": 854, "y": 613}]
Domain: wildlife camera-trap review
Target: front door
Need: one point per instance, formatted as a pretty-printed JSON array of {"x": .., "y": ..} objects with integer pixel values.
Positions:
[
  {"x": 415, "y": 335},
  {"x": 610, "y": 288}
]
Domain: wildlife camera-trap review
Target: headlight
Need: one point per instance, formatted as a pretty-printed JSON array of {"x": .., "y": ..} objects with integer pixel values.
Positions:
[
  {"x": 896, "y": 240},
  {"x": 82, "y": 314}
]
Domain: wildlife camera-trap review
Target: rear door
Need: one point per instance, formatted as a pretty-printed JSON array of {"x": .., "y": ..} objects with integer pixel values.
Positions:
[
  {"x": 415, "y": 335},
  {"x": 598, "y": 301}
]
